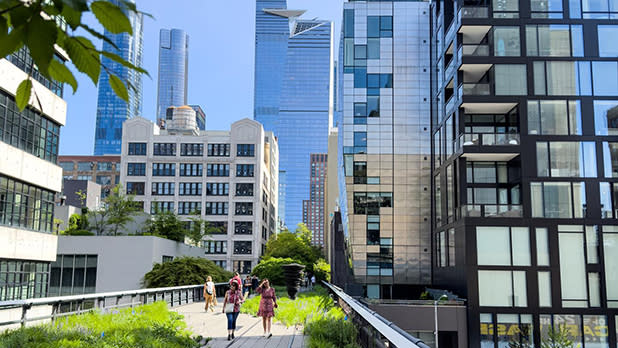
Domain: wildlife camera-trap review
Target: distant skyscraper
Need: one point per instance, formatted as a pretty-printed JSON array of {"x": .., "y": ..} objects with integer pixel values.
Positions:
[
  {"x": 111, "y": 110},
  {"x": 313, "y": 208},
  {"x": 200, "y": 117},
  {"x": 173, "y": 70},
  {"x": 293, "y": 93}
]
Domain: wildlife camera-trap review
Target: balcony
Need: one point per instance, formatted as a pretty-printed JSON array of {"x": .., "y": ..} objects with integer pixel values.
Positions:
[
  {"x": 492, "y": 210},
  {"x": 473, "y": 12},
  {"x": 477, "y": 50},
  {"x": 489, "y": 139},
  {"x": 476, "y": 88}
]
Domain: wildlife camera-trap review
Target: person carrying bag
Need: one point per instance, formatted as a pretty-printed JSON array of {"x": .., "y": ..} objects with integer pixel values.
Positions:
[
  {"x": 231, "y": 307},
  {"x": 268, "y": 303}
]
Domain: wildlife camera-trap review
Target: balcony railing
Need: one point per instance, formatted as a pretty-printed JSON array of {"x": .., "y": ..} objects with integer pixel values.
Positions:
[
  {"x": 492, "y": 210},
  {"x": 474, "y": 12},
  {"x": 476, "y": 89},
  {"x": 488, "y": 139},
  {"x": 475, "y": 50}
]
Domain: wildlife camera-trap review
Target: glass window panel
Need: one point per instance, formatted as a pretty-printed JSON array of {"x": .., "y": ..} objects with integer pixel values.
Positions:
[
  {"x": 606, "y": 39},
  {"x": 610, "y": 254},
  {"x": 542, "y": 159},
  {"x": 554, "y": 40},
  {"x": 577, "y": 41},
  {"x": 520, "y": 237},
  {"x": 487, "y": 331},
  {"x": 484, "y": 172},
  {"x": 561, "y": 78},
  {"x": 373, "y": 26},
  {"x": 595, "y": 6},
  {"x": 594, "y": 289},
  {"x": 542, "y": 247},
  {"x": 493, "y": 246},
  {"x": 584, "y": 77},
  {"x": 349, "y": 52},
  {"x": 579, "y": 199},
  {"x": 572, "y": 266},
  {"x": 373, "y": 48},
  {"x": 544, "y": 289},
  {"x": 508, "y": 336},
  {"x": 539, "y": 78},
  {"x": 485, "y": 195},
  {"x": 595, "y": 331},
  {"x": 605, "y": 77},
  {"x": 510, "y": 79},
  {"x": 536, "y": 198},
  {"x": 606, "y": 200},
  {"x": 519, "y": 289},
  {"x": 592, "y": 244},
  {"x": 553, "y": 114},
  {"x": 557, "y": 200},
  {"x": 506, "y": 41},
  {"x": 495, "y": 288},
  {"x": 606, "y": 117}
]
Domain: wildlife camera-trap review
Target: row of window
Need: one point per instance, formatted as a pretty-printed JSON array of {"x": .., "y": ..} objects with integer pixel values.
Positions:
[
  {"x": 25, "y": 206},
  {"x": 195, "y": 208},
  {"x": 20, "y": 280},
  {"x": 28, "y": 130},
  {"x": 190, "y": 169},
  {"x": 189, "y": 189},
  {"x": 587, "y": 9},
  {"x": 191, "y": 149},
  {"x": 88, "y": 166},
  {"x": 73, "y": 275},
  {"x": 220, "y": 247}
]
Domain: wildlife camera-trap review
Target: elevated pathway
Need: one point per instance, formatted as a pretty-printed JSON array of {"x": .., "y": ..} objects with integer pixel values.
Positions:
[{"x": 249, "y": 331}]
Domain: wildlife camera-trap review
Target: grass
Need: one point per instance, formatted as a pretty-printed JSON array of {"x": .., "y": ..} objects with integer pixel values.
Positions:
[
  {"x": 325, "y": 324},
  {"x": 151, "y": 325}
]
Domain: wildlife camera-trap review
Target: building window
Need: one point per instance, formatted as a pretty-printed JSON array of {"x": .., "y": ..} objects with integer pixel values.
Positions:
[
  {"x": 219, "y": 150},
  {"x": 26, "y": 206},
  {"x": 216, "y": 227},
  {"x": 243, "y": 227},
  {"x": 136, "y": 169},
  {"x": 22, "y": 59},
  {"x": 562, "y": 78},
  {"x": 191, "y": 169},
  {"x": 215, "y": 247},
  {"x": 510, "y": 79},
  {"x": 506, "y": 42},
  {"x": 73, "y": 275},
  {"x": 137, "y": 149},
  {"x": 243, "y": 208},
  {"x": 554, "y": 117},
  {"x": 104, "y": 180},
  {"x": 554, "y": 40},
  {"x": 566, "y": 159},
  {"x": 505, "y": 9},
  {"x": 135, "y": 188},
  {"x": 607, "y": 34},
  {"x": 28, "y": 130},
  {"x": 217, "y": 169},
  {"x": 516, "y": 330},
  {"x": 244, "y": 189},
  {"x": 360, "y": 172},
  {"x": 84, "y": 177},
  {"x": 191, "y": 149},
  {"x": 221, "y": 263},
  {"x": 379, "y": 264},
  {"x": 189, "y": 208},
  {"x": 605, "y": 113},
  {"x": 85, "y": 166},
  {"x": 610, "y": 253},
  {"x": 593, "y": 9},
  {"x": 245, "y": 170},
  {"x": 190, "y": 189},
  {"x": 546, "y": 8},
  {"x": 503, "y": 246},
  {"x": 502, "y": 288},
  {"x": 379, "y": 26},
  {"x": 360, "y": 142},
  {"x": 245, "y": 150},
  {"x": 558, "y": 200},
  {"x": 370, "y": 202},
  {"x": 445, "y": 245},
  {"x": 242, "y": 247},
  {"x": 164, "y": 169},
  {"x": 217, "y": 189},
  {"x": 66, "y": 166},
  {"x": 156, "y": 207},
  {"x": 216, "y": 208},
  {"x": 165, "y": 258},
  {"x": 242, "y": 267},
  {"x": 23, "y": 279},
  {"x": 164, "y": 149},
  {"x": 163, "y": 189},
  {"x": 573, "y": 261},
  {"x": 104, "y": 166}
]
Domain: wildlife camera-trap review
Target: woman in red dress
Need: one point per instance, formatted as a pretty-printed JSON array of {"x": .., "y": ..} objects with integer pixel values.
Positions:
[{"x": 268, "y": 303}]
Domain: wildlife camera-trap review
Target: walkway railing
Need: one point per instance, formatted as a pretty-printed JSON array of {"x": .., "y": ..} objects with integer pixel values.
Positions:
[
  {"x": 50, "y": 308},
  {"x": 375, "y": 330}
]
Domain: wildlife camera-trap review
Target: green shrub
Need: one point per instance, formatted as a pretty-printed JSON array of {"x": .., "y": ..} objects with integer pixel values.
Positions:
[
  {"x": 184, "y": 271},
  {"x": 77, "y": 233},
  {"x": 271, "y": 268},
  {"x": 151, "y": 325},
  {"x": 321, "y": 270},
  {"x": 330, "y": 332}
]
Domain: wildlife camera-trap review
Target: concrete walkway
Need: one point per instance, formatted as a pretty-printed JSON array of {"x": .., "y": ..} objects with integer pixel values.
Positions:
[{"x": 249, "y": 331}]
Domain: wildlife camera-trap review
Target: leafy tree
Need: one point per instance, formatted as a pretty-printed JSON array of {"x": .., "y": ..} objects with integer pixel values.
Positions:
[
  {"x": 76, "y": 227},
  {"x": 116, "y": 211},
  {"x": 321, "y": 270},
  {"x": 166, "y": 224},
  {"x": 198, "y": 229},
  {"x": 39, "y": 25},
  {"x": 184, "y": 271},
  {"x": 294, "y": 245},
  {"x": 271, "y": 269},
  {"x": 557, "y": 338}
]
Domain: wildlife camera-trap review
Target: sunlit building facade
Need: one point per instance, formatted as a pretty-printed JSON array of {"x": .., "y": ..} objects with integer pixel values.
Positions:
[{"x": 173, "y": 70}]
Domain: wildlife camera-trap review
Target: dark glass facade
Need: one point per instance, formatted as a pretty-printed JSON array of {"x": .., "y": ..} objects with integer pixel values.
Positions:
[
  {"x": 523, "y": 105},
  {"x": 173, "y": 70},
  {"x": 23, "y": 279},
  {"x": 111, "y": 110},
  {"x": 26, "y": 206}
]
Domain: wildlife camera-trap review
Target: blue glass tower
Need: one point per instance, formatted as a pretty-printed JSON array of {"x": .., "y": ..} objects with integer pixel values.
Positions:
[
  {"x": 173, "y": 70},
  {"x": 293, "y": 93},
  {"x": 111, "y": 110}
]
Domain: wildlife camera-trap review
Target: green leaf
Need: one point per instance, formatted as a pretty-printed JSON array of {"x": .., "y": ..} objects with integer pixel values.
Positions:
[
  {"x": 12, "y": 42},
  {"x": 111, "y": 17},
  {"x": 119, "y": 88},
  {"x": 118, "y": 59},
  {"x": 20, "y": 15},
  {"x": 83, "y": 55},
  {"x": 41, "y": 36},
  {"x": 23, "y": 94},
  {"x": 98, "y": 35},
  {"x": 72, "y": 16},
  {"x": 78, "y": 5},
  {"x": 60, "y": 72}
]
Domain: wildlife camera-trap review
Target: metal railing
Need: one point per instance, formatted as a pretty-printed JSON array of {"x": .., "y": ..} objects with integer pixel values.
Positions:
[
  {"x": 488, "y": 139},
  {"x": 473, "y": 12},
  {"x": 374, "y": 330},
  {"x": 492, "y": 210},
  {"x": 55, "y": 307},
  {"x": 476, "y": 88}
]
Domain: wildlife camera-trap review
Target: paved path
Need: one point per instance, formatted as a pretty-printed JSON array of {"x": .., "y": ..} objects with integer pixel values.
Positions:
[{"x": 249, "y": 331}]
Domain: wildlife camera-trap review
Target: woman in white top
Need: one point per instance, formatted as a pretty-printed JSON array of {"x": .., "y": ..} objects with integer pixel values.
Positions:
[{"x": 210, "y": 294}]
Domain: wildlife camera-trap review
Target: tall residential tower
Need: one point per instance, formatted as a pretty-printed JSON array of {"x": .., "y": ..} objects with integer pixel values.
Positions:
[
  {"x": 111, "y": 110},
  {"x": 173, "y": 70},
  {"x": 293, "y": 93}
]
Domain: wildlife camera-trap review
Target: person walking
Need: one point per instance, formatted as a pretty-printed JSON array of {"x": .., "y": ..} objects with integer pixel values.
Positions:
[
  {"x": 236, "y": 278},
  {"x": 312, "y": 281},
  {"x": 268, "y": 303},
  {"x": 254, "y": 283},
  {"x": 210, "y": 296},
  {"x": 231, "y": 307},
  {"x": 247, "y": 286}
]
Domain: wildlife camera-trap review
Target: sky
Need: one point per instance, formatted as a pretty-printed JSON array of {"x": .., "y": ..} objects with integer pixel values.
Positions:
[{"x": 221, "y": 51}]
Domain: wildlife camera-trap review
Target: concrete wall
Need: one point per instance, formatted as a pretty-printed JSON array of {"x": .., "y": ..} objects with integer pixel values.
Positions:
[
  {"x": 27, "y": 245},
  {"x": 412, "y": 318},
  {"x": 123, "y": 260},
  {"x": 64, "y": 212},
  {"x": 90, "y": 188}
]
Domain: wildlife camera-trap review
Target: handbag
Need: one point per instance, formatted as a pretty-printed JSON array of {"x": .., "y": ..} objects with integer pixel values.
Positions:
[{"x": 229, "y": 308}]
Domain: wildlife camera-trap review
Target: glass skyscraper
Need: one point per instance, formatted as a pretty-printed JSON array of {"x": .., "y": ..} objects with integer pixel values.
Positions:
[
  {"x": 293, "y": 93},
  {"x": 173, "y": 70},
  {"x": 111, "y": 110}
]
